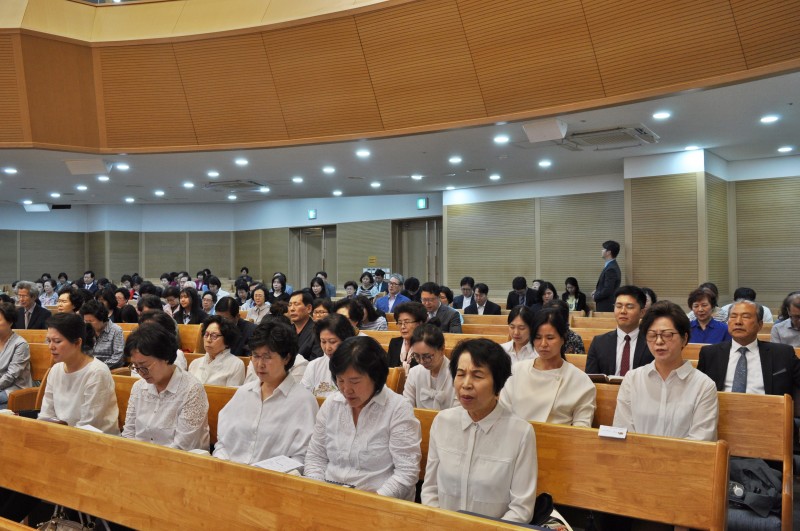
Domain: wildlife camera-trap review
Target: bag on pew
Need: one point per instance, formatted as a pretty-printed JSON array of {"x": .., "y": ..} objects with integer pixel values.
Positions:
[
  {"x": 754, "y": 485},
  {"x": 545, "y": 514},
  {"x": 60, "y": 522}
]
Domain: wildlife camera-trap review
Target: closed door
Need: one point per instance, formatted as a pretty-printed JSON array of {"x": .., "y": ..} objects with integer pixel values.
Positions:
[
  {"x": 316, "y": 251},
  {"x": 417, "y": 249}
]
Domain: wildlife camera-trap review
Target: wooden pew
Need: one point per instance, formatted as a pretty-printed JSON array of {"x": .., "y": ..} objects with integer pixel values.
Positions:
[
  {"x": 190, "y": 338},
  {"x": 486, "y": 319},
  {"x": 32, "y": 336},
  {"x": 605, "y": 323},
  {"x": 128, "y": 327},
  {"x": 451, "y": 340}
]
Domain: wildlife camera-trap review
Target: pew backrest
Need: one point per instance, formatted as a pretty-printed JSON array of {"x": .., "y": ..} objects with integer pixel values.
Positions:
[{"x": 190, "y": 338}]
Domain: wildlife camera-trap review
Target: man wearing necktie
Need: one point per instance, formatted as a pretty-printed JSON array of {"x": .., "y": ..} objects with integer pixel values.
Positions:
[
  {"x": 747, "y": 365},
  {"x": 29, "y": 314}
]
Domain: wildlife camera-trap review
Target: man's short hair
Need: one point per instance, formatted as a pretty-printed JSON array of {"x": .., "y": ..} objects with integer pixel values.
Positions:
[
  {"x": 430, "y": 287},
  {"x": 469, "y": 281},
  {"x": 398, "y": 277},
  {"x": 632, "y": 291},
  {"x": 322, "y": 274},
  {"x": 89, "y": 272},
  {"x": 213, "y": 281},
  {"x": 744, "y": 293},
  {"x": 412, "y": 284},
  {"x": 380, "y": 272},
  {"x": 481, "y": 287},
  {"x": 519, "y": 283},
  {"x": 307, "y": 298},
  {"x": 759, "y": 309},
  {"x": 612, "y": 247},
  {"x": 33, "y": 291}
]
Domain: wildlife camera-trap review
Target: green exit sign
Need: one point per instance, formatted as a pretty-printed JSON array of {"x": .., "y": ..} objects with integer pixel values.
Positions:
[{"x": 422, "y": 203}]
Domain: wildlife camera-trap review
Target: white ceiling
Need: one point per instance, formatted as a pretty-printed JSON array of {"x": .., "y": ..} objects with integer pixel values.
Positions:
[{"x": 724, "y": 121}]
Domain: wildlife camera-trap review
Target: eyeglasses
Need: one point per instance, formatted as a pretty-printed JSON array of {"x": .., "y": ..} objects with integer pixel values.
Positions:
[
  {"x": 405, "y": 322},
  {"x": 141, "y": 369},
  {"x": 394, "y": 283},
  {"x": 261, "y": 359},
  {"x": 423, "y": 357},
  {"x": 211, "y": 336},
  {"x": 320, "y": 313},
  {"x": 665, "y": 335},
  {"x": 429, "y": 299}
]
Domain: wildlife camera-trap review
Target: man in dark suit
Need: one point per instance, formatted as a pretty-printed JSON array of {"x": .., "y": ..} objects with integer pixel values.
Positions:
[
  {"x": 521, "y": 295},
  {"x": 623, "y": 349},
  {"x": 482, "y": 305},
  {"x": 383, "y": 286},
  {"x": 610, "y": 278},
  {"x": 89, "y": 283},
  {"x": 746, "y": 365},
  {"x": 29, "y": 314},
  {"x": 448, "y": 318},
  {"x": 465, "y": 299}
]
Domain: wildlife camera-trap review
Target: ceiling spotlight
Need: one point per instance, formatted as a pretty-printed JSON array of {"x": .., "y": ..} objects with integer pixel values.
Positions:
[
  {"x": 27, "y": 202},
  {"x": 501, "y": 139},
  {"x": 81, "y": 187},
  {"x": 328, "y": 169},
  {"x": 55, "y": 195},
  {"x": 662, "y": 115},
  {"x": 785, "y": 149},
  {"x": 122, "y": 166},
  {"x": 297, "y": 179},
  {"x": 692, "y": 148},
  {"x": 375, "y": 184},
  {"x": 10, "y": 171},
  {"x": 159, "y": 193},
  {"x": 241, "y": 161},
  {"x": 450, "y": 188},
  {"x": 545, "y": 163},
  {"x": 337, "y": 193},
  {"x": 129, "y": 200},
  {"x": 494, "y": 177},
  {"x": 417, "y": 177},
  {"x": 188, "y": 184},
  {"x": 362, "y": 153},
  {"x": 770, "y": 119},
  {"x": 455, "y": 160},
  {"x": 102, "y": 178},
  {"x": 213, "y": 174},
  {"x": 232, "y": 197},
  {"x": 264, "y": 189}
]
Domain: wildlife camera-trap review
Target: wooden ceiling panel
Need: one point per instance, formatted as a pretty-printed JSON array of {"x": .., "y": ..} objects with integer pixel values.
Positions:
[
  {"x": 768, "y": 30},
  {"x": 420, "y": 64},
  {"x": 229, "y": 88},
  {"x": 533, "y": 53},
  {"x": 145, "y": 103},
  {"x": 10, "y": 104},
  {"x": 638, "y": 47},
  {"x": 322, "y": 80}
]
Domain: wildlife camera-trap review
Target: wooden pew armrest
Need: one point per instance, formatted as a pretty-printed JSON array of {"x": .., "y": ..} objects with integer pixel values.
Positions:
[{"x": 22, "y": 399}]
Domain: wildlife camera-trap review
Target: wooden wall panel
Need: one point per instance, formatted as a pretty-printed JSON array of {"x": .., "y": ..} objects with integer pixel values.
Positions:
[
  {"x": 274, "y": 254},
  {"x": 492, "y": 242},
  {"x": 640, "y": 47},
  {"x": 145, "y": 102},
  {"x": 124, "y": 247},
  {"x": 322, "y": 80},
  {"x": 230, "y": 91},
  {"x": 717, "y": 230},
  {"x": 8, "y": 256},
  {"x": 10, "y": 104},
  {"x": 529, "y": 54},
  {"x": 573, "y": 229},
  {"x": 165, "y": 251},
  {"x": 767, "y": 30},
  {"x": 665, "y": 235},
  {"x": 61, "y": 93},
  {"x": 96, "y": 254},
  {"x": 51, "y": 252},
  {"x": 247, "y": 252},
  {"x": 212, "y": 250},
  {"x": 356, "y": 242},
  {"x": 420, "y": 64}
]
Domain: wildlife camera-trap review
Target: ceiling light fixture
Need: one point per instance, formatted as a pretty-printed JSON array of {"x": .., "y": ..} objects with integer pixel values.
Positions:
[
  {"x": 661, "y": 115},
  {"x": 692, "y": 148},
  {"x": 297, "y": 180},
  {"x": 450, "y": 188},
  {"x": 27, "y": 202},
  {"x": 81, "y": 187},
  {"x": 375, "y": 184},
  {"x": 770, "y": 119},
  {"x": 232, "y": 197},
  {"x": 213, "y": 174},
  {"x": 55, "y": 195},
  {"x": 545, "y": 163},
  {"x": 264, "y": 189},
  {"x": 785, "y": 149},
  {"x": 188, "y": 184},
  {"x": 102, "y": 178},
  {"x": 362, "y": 153},
  {"x": 159, "y": 193},
  {"x": 501, "y": 139},
  {"x": 454, "y": 159},
  {"x": 417, "y": 177},
  {"x": 129, "y": 200},
  {"x": 328, "y": 169},
  {"x": 10, "y": 171},
  {"x": 122, "y": 166},
  {"x": 337, "y": 193},
  {"x": 241, "y": 161},
  {"x": 494, "y": 177}
]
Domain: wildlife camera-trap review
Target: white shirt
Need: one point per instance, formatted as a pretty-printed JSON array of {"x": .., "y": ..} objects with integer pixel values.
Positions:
[
  {"x": 83, "y": 398},
  {"x": 250, "y": 430},
  {"x": 559, "y": 396},
  {"x": 426, "y": 392},
  {"x": 755, "y": 374},
  {"x": 318, "y": 379},
  {"x": 380, "y": 455},
  {"x": 177, "y": 417},
  {"x": 487, "y": 467},
  {"x": 621, "y": 346},
  {"x": 684, "y": 405},
  {"x": 525, "y": 353},
  {"x": 226, "y": 369},
  {"x": 296, "y": 372},
  {"x": 466, "y": 302}
]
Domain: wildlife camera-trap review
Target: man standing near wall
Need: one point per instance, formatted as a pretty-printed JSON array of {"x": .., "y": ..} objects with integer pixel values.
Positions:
[{"x": 610, "y": 279}]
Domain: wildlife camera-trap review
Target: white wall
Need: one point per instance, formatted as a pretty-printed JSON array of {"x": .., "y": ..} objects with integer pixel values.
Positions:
[{"x": 554, "y": 187}]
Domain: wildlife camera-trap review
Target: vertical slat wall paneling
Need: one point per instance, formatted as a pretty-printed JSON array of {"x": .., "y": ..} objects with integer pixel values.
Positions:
[
  {"x": 322, "y": 80},
  {"x": 664, "y": 236},
  {"x": 767, "y": 30},
  {"x": 45, "y": 252},
  {"x": 247, "y": 252},
  {"x": 420, "y": 64},
  {"x": 769, "y": 245},
  {"x": 96, "y": 254},
  {"x": 165, "y": 251},
  {"x": 230, "y": 91},
  {"x": 573, "y": 229},
  {"x": 640, "y": 47},
  {"x": 68, "y": 115},
  {"x": 10, "y": 104},
  {"x": 717, "y": 221},
  {"x": 531, "y": 53},
  {"x": 124, "y": 255},
  {"x": 8, "y": 257},
  {"x": 274, "y": 253},
  {"x": 356, "y": 242},
  {"x": 492, "y": 242},
  {"x": 211, "y": 250},
  {"x": 145, "y": 103}
]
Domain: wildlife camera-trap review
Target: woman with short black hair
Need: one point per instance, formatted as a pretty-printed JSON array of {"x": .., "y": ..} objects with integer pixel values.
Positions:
[
  {"x": 109, "y": 343},
  {"x": 218, "y": 366},
  {"x": 331, "y": 331}
]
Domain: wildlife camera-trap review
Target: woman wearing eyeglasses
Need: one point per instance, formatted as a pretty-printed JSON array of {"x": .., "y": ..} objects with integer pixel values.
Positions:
[
  {"x": 273, "y": 416},
  {"x": 668, "y": 396},
  {"x": 408, "y": 316},
  {"x": 429, "y": 385},
  {"x": 218, "y": 366},
  {"x": 168, "y": 406}
]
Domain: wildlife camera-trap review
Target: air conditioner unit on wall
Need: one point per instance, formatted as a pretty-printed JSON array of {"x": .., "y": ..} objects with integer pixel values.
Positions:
[{"x": 619, "y": 137}]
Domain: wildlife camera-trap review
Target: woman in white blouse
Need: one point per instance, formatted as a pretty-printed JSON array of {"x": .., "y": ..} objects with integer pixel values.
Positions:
[
  {"x": 520, "y": 320},
  {"x": 366, "y": 435},
  {"x": 429, "y": 384},
  {"x": 218, "y": 366},
  {"x": 273, "y": 416},
  {"x": 668, "y": 396},
  {"x": 481, "y": 457},
  {"x": 260, "y": 306},
  {"x": 15, "y": 355},
  {"x": 79, "y": 390},
  {"x": 548, "y": 388},
  {"x": 331, "y": 332},
  {"x": 168, "y": 406}
]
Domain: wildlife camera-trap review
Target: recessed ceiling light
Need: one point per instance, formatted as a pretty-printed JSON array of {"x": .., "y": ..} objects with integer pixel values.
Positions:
[
  {"x": 159, "y": 193},
  {"x": 55, "y": 195},
  {"x": 375, "y": 184},
  {"x": 337, "y": 193},
  {"x": 297, "y": 179},
  {"x": 241, "y": 161},
  {"x": 692, "y": 148},
  {"x": 328, "y": 169},
  {"x": 494, "y": 177},
  {"x": 662, "y": 115},
  {"x": 122, "y": 166},
  {"x": 213, "y": 174},
  {"x": 545, "y": 163},
  {"x": 770, "y": 119},
  {"x": 188, "y": 184},
  {"x": 417, "y": 177},
  {"x": 81, "y": 187},
  {"x": 450, "y": 188},
  {"x": 785, "y": 149},
  {"x": 454, "y": 159},
  {"x": 27, "y": 202},
  {"x": 501, "y": 139},
  {"x": 10, "y": 171},
  {"x": 362, "y": 153},
  {"x": 129, "y": 200},
  {"x": 232, "y": 197},
  {"x": 102, "y": 178},
  {"x": 264, "y": 189}
]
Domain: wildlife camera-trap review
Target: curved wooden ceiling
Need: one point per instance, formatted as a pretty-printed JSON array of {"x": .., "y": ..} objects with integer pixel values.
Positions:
[{"x": 393, "y": 68}]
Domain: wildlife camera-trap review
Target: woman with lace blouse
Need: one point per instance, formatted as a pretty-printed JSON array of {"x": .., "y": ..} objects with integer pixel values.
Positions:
[{"x": 168, "y": 406}]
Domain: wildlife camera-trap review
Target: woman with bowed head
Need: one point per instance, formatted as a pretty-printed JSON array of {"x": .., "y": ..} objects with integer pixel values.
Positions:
[
  {"x": 79, "y": 390},
  {"x": 109, "y": 343},
  {"x": 366, "y": 435},
  {"x": 191, "y": 310},
  {"x": 429, "y": 385},
  {"x": 15, "y": 355},
  {"x": 370, "y": 319},
  {"x": 408, "y": 317},
  {"x": 273, "y": 416},
  {"x": 573, "y": 296},
  {"x": 218, "y": 366},
  {"x": 331, "y": 332},
  {"x": 168, "y": 406},
  {"x": 548, "y": 388},
  {"x": 520, "y": 321},
  {"x": 481, "y": 457},
  {"x": 166, "y": 322}
]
